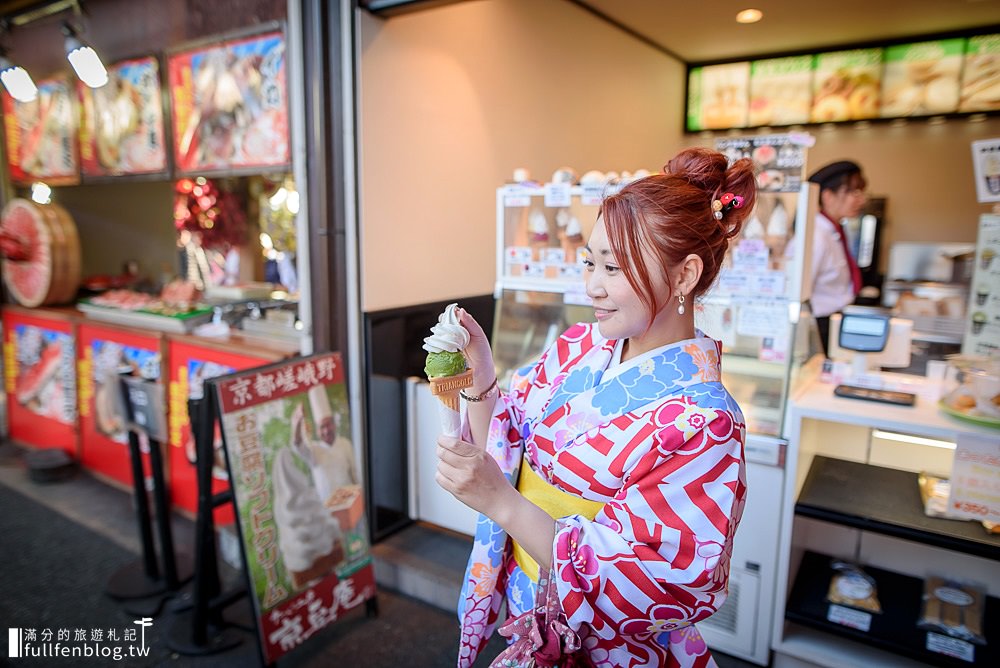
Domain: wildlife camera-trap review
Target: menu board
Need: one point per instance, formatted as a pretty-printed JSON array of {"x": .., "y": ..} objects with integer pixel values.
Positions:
[
  {"x": 981, "y": 74},
  {"x": 41, "y": 135},
  {"x": 718, "y": 96},
  {"x": 121, "y": 123},
  {"x": 921, "y": 79},
  {"x": 230, "y": 105},
  {"x": 982, "y": 329},
  {"x": 846, "y": 85},
  {"x": 780, "y": 91}
]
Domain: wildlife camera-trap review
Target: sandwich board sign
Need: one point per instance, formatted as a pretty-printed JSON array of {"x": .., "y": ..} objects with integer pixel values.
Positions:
[{"x": 299, "y": 502}]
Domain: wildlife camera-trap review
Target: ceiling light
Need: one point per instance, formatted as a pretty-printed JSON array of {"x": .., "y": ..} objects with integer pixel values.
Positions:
[
  {"x": 17, "y": 81},
  {"x": 749, "y": 16},
  {"x": 85, "y": 61}
]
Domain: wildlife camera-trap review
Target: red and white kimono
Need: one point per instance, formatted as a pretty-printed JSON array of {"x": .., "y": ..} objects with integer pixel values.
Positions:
[{"x": 659, "y": 441}]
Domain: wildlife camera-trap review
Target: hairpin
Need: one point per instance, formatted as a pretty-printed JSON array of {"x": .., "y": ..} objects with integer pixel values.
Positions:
[{"x": 725, "y": 203}]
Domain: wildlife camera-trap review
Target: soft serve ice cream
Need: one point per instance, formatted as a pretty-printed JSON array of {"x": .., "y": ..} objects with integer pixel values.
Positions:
[
  {"x": 308, "y": 536},
  {"x": 446, "y": 368},
  {"x": 445, "y": 345}
]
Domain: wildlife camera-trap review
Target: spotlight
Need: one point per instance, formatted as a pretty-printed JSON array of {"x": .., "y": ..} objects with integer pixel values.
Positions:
[
  {"x": 85, "y": 61},
  {"x": 17, "y": 81}
]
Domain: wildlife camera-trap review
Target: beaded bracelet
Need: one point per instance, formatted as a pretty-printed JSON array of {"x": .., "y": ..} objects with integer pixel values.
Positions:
[{"x": 488, "y": 392}]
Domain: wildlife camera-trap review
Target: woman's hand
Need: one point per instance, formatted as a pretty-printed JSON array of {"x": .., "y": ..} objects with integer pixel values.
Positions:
[
  {"x": 478, "y": 354},
  {"x": 473, "y": 477}
]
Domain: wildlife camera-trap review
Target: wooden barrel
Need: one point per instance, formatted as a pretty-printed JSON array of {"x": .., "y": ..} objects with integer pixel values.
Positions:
[{"x": 46, "y": 267}]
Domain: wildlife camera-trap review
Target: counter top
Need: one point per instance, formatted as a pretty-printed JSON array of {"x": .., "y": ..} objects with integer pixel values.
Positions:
[
  {"x": 924, "y": 418},
  {"x": 235, "y": 342}
]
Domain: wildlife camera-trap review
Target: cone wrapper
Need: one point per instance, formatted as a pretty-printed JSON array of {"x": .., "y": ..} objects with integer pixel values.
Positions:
[{"x": 447, "y": 389}]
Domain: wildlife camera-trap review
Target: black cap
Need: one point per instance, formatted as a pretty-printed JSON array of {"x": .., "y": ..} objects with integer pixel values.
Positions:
[{"x": 825, "y": 176}]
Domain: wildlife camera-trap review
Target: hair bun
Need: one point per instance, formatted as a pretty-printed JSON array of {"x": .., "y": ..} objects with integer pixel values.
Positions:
[{"x": 701, "y": 167}]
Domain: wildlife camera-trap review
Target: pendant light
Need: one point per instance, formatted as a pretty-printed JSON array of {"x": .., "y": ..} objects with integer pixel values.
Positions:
[
  {"x": 85, "y": 61},
  {"x": 16, "y": 80}
]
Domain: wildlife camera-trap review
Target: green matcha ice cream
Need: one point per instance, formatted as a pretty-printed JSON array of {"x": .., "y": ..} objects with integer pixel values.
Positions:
[{"x": 444, "y": 363}]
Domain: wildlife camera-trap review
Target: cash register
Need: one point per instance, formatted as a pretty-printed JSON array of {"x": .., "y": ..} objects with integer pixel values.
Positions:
[{"x": 871, "y": 340}]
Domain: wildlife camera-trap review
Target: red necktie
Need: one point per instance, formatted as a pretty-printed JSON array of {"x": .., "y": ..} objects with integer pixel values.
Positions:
[{"x": 855, "y": 270}]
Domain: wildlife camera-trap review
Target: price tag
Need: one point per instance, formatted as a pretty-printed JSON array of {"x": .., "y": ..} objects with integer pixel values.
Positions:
[
  {"x": 557, "y": 194},
  {"x": 734, "y": 283},
  {"x": 534, "y": 270},
  {"x": 975, "y": 478},
  {"x": 769, "y": 284},
  {"x": 592, "y": 195},
  {"x": 553, "y": 256},
  {"x": 518, "y": 254},
  {"x": 516, "y": 197},
  {"x": 751, "y": 255},
  {"x": 953, "y": 647},
  {"x": 855, "y": 619}
]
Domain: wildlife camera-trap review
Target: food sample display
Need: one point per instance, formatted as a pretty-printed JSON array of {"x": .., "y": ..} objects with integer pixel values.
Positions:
[
  {"x": 972, "y": 389},
  {"x": 446, "y": 368},
  {"x": 41, "y": 253}
]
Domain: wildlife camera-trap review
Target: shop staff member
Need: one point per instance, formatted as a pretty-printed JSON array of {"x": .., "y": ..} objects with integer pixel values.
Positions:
[
  {"x": 331, "y": 456},
  {"x": 835, "y": 275}
]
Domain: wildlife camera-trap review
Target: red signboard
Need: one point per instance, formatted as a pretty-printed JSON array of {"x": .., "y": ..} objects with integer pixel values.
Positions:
[
  {"x": 230, "y": 105},
  {"x": 41, "y": 135},
  {"x": 190, "y": 366},
  {"x": 40, "y": 380},
  {"x": 104, "y": 355},
  {"x": 121, "y": 128}
]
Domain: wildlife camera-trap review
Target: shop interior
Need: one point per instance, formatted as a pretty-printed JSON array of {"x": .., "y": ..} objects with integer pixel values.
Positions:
[{"x": 461, "y": 116}]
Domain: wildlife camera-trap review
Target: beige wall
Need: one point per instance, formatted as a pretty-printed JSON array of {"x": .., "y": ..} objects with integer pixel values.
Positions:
[{"x": 453, "y": 99}]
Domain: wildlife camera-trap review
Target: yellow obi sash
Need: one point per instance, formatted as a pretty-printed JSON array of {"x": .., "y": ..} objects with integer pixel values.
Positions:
[{"x": 555, "y": 502}]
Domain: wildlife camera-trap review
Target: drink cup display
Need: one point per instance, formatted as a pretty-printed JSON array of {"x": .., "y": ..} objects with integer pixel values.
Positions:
[
  {"x": 978, "y": 322},
  {"x": 986, "y": 258},
  {"x": 982, "y": 294}
]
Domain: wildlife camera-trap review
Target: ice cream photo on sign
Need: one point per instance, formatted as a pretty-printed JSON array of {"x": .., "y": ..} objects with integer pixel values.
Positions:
[{"x": 446, "y": 368}]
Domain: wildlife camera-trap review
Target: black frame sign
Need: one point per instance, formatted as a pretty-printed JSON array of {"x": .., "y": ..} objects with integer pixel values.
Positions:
[{"x": 925, "y": 78}]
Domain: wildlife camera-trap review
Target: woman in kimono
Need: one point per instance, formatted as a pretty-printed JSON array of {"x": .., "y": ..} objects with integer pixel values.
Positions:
[{"x": 615, "y": 464}]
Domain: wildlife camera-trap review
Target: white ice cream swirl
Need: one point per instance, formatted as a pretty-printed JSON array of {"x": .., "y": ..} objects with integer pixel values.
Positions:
[
  {"x": 306, "y": 530},
  {"x": 447, "y": 336}
]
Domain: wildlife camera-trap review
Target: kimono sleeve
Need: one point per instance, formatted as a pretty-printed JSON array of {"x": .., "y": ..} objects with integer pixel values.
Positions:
[{"x": 656, "y": 558}]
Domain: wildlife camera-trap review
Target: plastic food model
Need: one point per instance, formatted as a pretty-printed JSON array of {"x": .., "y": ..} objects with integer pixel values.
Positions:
[
  {"x": 41, "y": 250},
  {"x": 446, "y": 368}
]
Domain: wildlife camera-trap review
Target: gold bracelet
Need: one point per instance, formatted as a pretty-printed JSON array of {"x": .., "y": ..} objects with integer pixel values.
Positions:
[{"x": 488, "y": 392}]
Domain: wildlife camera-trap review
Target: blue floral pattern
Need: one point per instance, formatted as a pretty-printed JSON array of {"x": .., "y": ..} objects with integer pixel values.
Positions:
[
  {"x": 644, "y": 382},
  {"x": 577, "y": 382}
]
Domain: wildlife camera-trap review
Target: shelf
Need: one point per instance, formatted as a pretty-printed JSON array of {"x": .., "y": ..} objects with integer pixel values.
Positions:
[
  {"x": 895, "y": 629},
  {"x": 886, "y": 501}
]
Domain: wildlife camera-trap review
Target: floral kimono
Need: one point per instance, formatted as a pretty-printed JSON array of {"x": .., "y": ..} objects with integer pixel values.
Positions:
[{"x": 659, "y": 441}]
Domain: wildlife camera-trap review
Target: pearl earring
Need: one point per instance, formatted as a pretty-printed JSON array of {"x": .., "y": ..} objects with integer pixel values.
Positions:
[{"x": 680, "y": 305}]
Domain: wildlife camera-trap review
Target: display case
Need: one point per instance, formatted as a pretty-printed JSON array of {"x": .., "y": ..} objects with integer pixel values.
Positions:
[{"x": 541, "y": 231}]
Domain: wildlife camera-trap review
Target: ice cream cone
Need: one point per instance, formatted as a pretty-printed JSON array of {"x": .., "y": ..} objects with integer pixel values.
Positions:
[{"x": 447, "y": 388}]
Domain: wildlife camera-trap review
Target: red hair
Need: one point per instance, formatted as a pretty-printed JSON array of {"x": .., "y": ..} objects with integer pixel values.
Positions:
[{"x": 671, "y": 215}]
